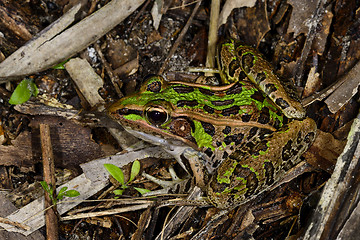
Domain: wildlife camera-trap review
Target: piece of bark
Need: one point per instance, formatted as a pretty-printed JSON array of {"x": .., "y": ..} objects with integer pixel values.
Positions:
[
  {"x": 6, "y": 208},
  {"x": 72, "y": 144},
  {"x": 52, "y": 46},
  {"x": 340, "y": 92},
  {"x": 87, "y": 81},
  {"x": 340, "y": 194},
  {"x": 324, "y": 152},
  {"x": 230, "y": 5},
  {"x": 346, "y": 90}
]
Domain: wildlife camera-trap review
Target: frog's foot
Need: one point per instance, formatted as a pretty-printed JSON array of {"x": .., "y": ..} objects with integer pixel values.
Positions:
[
  {"x": 176, "y": 185},
  {"x": 190, "y": 160},
  {"x": 165, "y": 183}
]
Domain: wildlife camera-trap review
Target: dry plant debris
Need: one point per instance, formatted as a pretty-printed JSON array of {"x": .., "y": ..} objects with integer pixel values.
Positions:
[{"x": 314, "y": 44}]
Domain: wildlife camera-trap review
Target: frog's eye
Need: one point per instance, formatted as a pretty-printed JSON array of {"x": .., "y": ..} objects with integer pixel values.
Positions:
[{"x": 156, "y": 115}]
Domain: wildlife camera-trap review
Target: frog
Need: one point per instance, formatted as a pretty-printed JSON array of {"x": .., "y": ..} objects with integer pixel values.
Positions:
[{"x": 248, "y": 132}]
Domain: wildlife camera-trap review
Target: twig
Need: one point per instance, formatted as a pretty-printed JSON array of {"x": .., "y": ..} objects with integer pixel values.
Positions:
[
  {"x": 108, "y": 212},
  {"x": 179, "y": 39},
  {"x": 211, "y": 49},
  {"x": 51, "y": 218},
  {"x": 16, "y": 224}
]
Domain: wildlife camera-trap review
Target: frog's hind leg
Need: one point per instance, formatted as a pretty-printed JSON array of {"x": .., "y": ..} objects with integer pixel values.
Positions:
[{"x": 245, "y": 174}]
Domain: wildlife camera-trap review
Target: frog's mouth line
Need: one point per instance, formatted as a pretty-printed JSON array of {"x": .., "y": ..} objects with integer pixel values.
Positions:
[{"x": 153, "y": 134}]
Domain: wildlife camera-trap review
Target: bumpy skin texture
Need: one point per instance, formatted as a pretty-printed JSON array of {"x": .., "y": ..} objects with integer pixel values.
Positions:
[
  {"x": 237, "y": 61},
  {"x": 250, "y": 171},
  {"x": 214, "y": 120},
  {"x": 247, "y": 140}
]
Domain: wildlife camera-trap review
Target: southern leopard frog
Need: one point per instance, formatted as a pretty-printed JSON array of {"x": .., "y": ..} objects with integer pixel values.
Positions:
[{"x": 248, "y": 132}]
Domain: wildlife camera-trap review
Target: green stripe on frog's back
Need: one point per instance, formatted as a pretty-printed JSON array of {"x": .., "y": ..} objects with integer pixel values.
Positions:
[{"x": 237, "y": 101}]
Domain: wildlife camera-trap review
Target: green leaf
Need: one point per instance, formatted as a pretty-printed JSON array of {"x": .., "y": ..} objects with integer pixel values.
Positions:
[
  {"x": 61, "y": 193},
  {"x": 72, "y": 193},
  {"x": 135, "y": 169},
  {"x": 142, "y": 191},
  {"x": 60, "y": 65},
  {"x": 116, "y": 172},
  {"x": 118, "y": 191},
  {"x": 23, "y": 92},
  {"x": 49, "y": 190},
  {"x": 63, "y": 189},
  {"x": 45, "y": 186}
]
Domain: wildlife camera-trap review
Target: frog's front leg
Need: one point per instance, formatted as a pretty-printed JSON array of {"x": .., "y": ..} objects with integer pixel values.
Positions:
[
  {"x": 191, "y": 162},
  {"x": 248, "y": 172}
]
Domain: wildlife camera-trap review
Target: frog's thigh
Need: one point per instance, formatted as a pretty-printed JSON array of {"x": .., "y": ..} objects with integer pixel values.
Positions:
[
  {"x": 246, "y": 174},
  {"x": 285, "y": 147}
]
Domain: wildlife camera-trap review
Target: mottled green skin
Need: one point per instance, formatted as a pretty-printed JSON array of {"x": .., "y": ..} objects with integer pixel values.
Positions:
[
  {"x": 168, "y": 98},
  {"x": 250, "y": 171},
  {"x": 236, "y": 59},
  {"x": 246, "y": 141}
]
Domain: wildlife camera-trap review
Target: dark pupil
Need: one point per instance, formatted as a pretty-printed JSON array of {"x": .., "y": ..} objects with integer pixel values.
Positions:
[{"x": 157, "y": 117}]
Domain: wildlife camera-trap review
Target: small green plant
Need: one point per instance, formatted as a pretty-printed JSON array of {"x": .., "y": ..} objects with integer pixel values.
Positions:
[
  {"x": 23, "y": 92},
  {"x": 60, "y": 66},
  {"x": 62, "y": 193},
  {"x": 118, "y": 174}
]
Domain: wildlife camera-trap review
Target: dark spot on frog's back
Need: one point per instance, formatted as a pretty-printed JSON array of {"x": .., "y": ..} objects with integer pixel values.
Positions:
[
  {"x": 264, "y": 117},
  {"x": 182, "y": 103},
  {"x": 235, "y": 89},
  {"x": 282, "y": 103},
  {"x": 208, "y": 128},
  {"x": 183, "y": 89},
  {"x": 226, "y": 130},
  {"x": 269, "y": 173},
  {"x": 287, "y": 151},
  {"x": 249, "y": 176},
  {"x": 247, "y": 61},
  {"x": 222, "y": 103},
  {"x": 208, "y": 109},
  {"x": 208, "y": 152},
  {"x": 258, "y": 96},
  {"x": 251, "y": 183},
  {"x": 260, "y": 77},
  {"x": 252, "y": 132},
  {"x": 225, "y": 155},
  {"x": 233, "y": 66},
  {"x": 262, "y": 146},
  {"x": 236, "y": 138},
  {"x": 154, "y": 86},
  {"x": 206, "y": 91},
  {"x": 230, "y": 111},
  {"x": 216, "y": 163},
  {"x": 270, "y": 88},
  {"x": 246, "y": 117}
]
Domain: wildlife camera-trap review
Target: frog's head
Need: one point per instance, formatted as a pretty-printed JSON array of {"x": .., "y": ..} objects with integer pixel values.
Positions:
[
  {"x": 193, "y": 114},
  {"x": 151, "y": 114}
]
